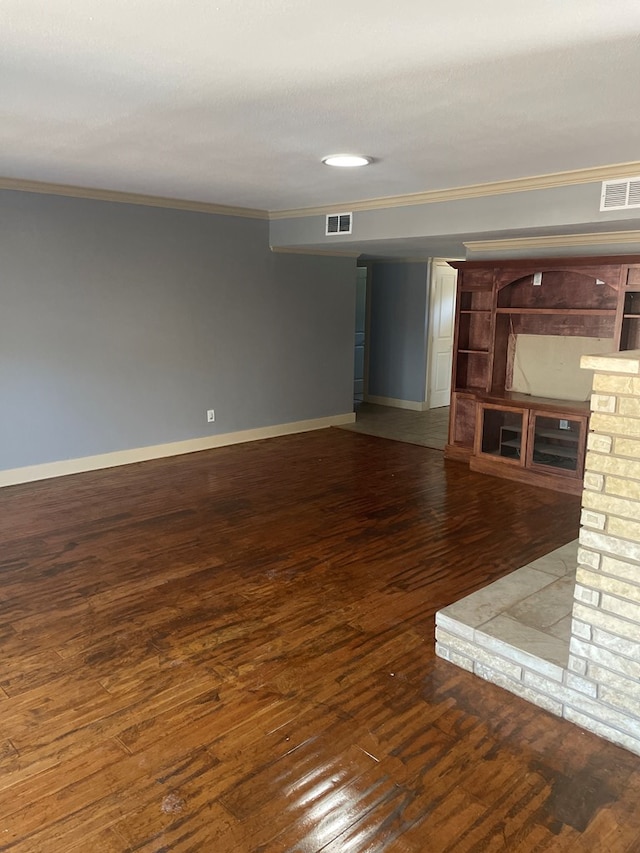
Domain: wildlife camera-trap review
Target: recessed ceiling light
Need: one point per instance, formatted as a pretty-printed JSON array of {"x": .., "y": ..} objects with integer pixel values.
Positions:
[{"x": 346, "y": 161}]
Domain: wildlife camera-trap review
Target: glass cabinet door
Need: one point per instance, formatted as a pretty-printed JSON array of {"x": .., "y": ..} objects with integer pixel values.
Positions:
[
  {"x": 502, "y": 433},
  {"x": 556, "y": 443}
]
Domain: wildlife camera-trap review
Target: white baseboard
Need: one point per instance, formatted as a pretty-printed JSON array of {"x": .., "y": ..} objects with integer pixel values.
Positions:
[
  {"x": 47, "y": 470},
  {"x": 414, "y": 405}
]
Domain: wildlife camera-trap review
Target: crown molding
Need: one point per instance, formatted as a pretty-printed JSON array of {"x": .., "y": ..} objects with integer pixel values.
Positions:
[
  {"x": 517, "y": 185},
  {"x": 407, "y": 259},
  {"x": 538, "y": 182},
  {"x": 69, "y": 191},
  {"x": 294, "y": 250},
  {"x": 602, "y": 238}
]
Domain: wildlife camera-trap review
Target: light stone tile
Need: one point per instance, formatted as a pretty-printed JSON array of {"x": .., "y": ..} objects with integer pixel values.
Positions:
[
  {"x": 605, "y": 621},
  {"x": 607, "y": 383},
  {"x": 555, "y": 689},
  {"x": 605, "y": 657},
  {"x": 577, "y": 664},
  {"x": 588, "y": 558},
  {"x": 584, "y": 704},
  {"x": 586, "y": 578},
  {"x": 454, "y": 626},
  {"x": 619, "y": 362},
  {"x": 526, "y": 646},
  {"x": 612, "y": 545},
  {"x": 598, "y": 580},
  {"x": 624, "y": 527},
  {"x": 480, "y": 655},
  {"x": 626, "y": 447},
  {"x": 626, "y": 609},
  {"x": 587, "y": 596},
  {"x": 613, "y": 505},
  {"x": 442, "y": 651},
  {"x": 568, "y": 550},
  {"x": 602, "y": 730},
  {"x": 624, "y": 703},
  {"x": 547, "y": 606},
  {"x": 614, "y": 425},
  {"x": 623, "y": 488},
  {"x": 519, "y": 689},
  {"x": 616, "y": 643},
  {"x": 462, "y": 661},
  {"x": 603, "y": 403},
  {"x": 580, "y": 629},
  {"x": 615, "y": 681},
  {"x": 599, "y": 443},
  {"x": 560, "y": 562},
  {"x": 593, "y": 481},
  {"x": 603, "y": 464},
  {"x": 485, "y": 604},
  {"x": 499, "y": 678},
  {"x": 593, "y": 519},
  {"x": 621, "y": 569},
  {"x": 582, "y": 685},
  {"x": 628, "y": 406},
  {"x": 562, "y": 629}
]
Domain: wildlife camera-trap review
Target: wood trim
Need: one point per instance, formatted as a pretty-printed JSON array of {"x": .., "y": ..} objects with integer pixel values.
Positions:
[
  {"x": 602, "y": 238},
  {"x": 478, "y": 452},
  {"x": 30, "y": 473},
  {"x": 484, "y": 465},
  {"x": 458, "y": 452},
  {"x": 95, "y": 194},
  {"x": 537, "y": 182},
  {"x": 542, "y": 264}
]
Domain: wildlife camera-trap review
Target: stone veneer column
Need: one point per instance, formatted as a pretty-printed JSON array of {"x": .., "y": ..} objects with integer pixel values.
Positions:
[{"x": 604, "y": 654}]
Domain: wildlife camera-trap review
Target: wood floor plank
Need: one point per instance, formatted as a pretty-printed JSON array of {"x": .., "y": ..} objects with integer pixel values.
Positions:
[{"x": 232, "y": 651}]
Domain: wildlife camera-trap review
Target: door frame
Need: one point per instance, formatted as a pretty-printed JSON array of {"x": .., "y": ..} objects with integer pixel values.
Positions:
[
  {"x": 367, "y": 325},
  {"x": 434, "y": 263}
]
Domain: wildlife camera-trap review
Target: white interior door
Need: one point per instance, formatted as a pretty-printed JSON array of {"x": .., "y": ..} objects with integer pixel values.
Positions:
[{"x": 441, "y": 313}]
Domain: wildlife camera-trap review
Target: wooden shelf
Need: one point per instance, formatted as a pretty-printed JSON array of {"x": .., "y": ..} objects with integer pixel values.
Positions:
[
  {"x": 631, "y": 316},
  {"x": 475, "y": 351},
  {"x": 556, "y": 450},
  {"x": 511, "y": 442},
  {"x": 475, "y": 310},
  {"x": 528, "y": 401},
  {"x": 573, "y": 312},
  {"x": 565, "y": 435}
]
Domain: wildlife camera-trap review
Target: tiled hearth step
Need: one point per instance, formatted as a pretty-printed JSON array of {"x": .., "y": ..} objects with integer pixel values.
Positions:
[{"x": 516, "y": 633}]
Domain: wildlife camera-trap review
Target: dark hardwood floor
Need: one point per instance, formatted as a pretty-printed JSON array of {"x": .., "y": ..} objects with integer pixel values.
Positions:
[{"x": 233, "y": 651}]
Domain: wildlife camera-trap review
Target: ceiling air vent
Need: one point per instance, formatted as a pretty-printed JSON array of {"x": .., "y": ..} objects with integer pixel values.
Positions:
[
  {"x": 621, "y": 194},
  {"x": 338, "y": 223}
]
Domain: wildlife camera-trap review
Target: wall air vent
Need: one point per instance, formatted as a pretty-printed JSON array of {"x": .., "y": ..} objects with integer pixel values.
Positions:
[
  {"x": 338, "y": 223},
  {"x": 621, "y": 194}
]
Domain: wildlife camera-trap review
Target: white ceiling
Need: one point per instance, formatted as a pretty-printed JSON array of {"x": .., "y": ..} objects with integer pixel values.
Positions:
[{"x": 235, "y": 101}]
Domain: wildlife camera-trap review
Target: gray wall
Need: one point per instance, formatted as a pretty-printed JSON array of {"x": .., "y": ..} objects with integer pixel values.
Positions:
[
  {"x": 398, "y": 330},
  {"x": 120, "y": 325},
  {"x": 439, "y": 227}
]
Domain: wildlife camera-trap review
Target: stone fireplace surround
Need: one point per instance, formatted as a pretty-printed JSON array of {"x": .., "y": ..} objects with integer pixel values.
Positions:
[{"x": 564, "y": 632}]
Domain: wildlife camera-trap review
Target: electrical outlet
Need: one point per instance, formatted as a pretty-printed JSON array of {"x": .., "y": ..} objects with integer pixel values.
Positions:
[
  {"x": 211, "y": 416},
  {"x": 564, "y": 424}
]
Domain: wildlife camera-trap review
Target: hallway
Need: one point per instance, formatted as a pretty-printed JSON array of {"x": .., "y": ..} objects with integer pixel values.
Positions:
[{"x": 428, "y": 429}]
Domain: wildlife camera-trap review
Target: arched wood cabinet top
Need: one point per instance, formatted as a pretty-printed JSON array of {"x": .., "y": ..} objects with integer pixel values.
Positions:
[{"x": 566, "y": 289}]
